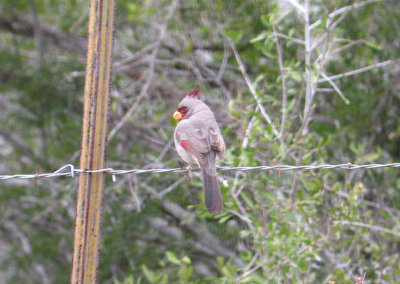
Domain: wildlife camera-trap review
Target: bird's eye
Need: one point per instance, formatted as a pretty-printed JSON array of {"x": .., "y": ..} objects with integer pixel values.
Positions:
[{"x": 183, "y": 109}]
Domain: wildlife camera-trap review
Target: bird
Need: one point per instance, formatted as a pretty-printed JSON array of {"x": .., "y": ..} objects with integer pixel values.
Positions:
[{"x": 198, "y": 140}]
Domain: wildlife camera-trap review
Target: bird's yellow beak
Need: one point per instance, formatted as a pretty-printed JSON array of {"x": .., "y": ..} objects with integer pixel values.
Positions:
[{"x": 177, "y": 115}]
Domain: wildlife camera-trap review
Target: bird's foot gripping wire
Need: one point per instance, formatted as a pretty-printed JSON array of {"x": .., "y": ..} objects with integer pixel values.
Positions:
[{"x": 188, "y": 168}]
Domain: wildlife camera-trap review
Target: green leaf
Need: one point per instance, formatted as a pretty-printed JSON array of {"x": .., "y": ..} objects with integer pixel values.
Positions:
[
  {"x": 288, "y": 218},
  {"x": 265, "y": 19},
  {"x": 186, "y": 260},
  {"x": 260, "y": 37},
  {"x": 173, "y": 258},
  {"x": 300, "y": 194},
  {"x": 232, "y": 110},
  {"x": 186, "y": 273},
  {"x": 385, "y": 214},
  {"x": 150, "y": 275},
  {"x": 235, "y": 35},
  {"x": 225, "y": 218},
  {"x": 373, "y": 45},
  {"x": 303, "y": 264},
  {"x": 245, "y": 233},
  {"x": 370, "y": 157},
  {"x": 307, "y": 184}
]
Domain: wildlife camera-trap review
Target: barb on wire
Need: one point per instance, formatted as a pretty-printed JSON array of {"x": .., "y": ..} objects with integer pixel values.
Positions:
[{"x": 280, "y": 168}]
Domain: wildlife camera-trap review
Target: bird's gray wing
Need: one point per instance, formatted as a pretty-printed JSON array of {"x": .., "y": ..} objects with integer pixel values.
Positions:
[{"x": 193, "y": 140}]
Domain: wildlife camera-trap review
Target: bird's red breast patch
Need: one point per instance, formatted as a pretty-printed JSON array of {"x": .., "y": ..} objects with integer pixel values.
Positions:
[{"x": 184, "y": 145}]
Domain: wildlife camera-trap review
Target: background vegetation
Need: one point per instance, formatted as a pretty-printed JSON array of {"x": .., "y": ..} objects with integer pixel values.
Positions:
[{"x": 288, "y": 227}]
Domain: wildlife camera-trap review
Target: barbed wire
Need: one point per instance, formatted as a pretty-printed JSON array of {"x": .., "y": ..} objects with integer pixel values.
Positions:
[{"x": 280, "y": 168}]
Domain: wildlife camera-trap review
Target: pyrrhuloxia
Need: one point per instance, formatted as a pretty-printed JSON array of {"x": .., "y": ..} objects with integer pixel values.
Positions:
[{"x": 198, "y": 140}]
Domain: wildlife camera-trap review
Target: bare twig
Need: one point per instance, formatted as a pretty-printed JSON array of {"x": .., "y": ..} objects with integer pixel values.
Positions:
[
  {"x": 351, "y": 7},
  {"x": 37, "y": 31},
  {"x": 224, "y": 62},
  {"x": 252, "y": 89},
  {"x": 283, "y": 76},
  {"x": 330, "y": 25},
  {"x": 251, "y": 263},
  {"x": 309, "y": 82},
  {"x": 297, "y": 5},
  {"x": 296, "y": 40},
  {"x": 170, "y": 188},
  {"x": 79, "y": 21},
  {"x": 248, "y": 272},
  {"x": 346, "y": 46},
  {"x": 150, "y": 74},
  {"x": 357, "y": 71},
  {"x": 335, "y": 23},
  {"x": 368, "y": 226},
  {"x": 244, "y": 145},
  {"x": 165, "y": 150},
  {"x": 326, "y": 90},
  {"x": 316, "y": 24},
  {"x": 244, "y": 218},
  {"x": 134, "y": 193},
  {"x": 201, "y": 232},
  {"x": 311, "y": 85},
  {"x": 137, "y": 54},
  {"x": 336, "y": 88}
]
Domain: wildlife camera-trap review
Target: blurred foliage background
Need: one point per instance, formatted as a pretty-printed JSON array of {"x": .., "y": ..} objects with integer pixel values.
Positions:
[{"x": 288, "y": 227}]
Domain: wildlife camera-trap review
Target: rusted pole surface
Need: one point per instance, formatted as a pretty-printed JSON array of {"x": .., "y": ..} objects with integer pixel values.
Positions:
[{"x": 94, "y": 142}]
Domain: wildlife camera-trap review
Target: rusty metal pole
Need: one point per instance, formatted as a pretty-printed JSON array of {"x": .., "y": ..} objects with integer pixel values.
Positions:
[{"x": 94, "y": 142}]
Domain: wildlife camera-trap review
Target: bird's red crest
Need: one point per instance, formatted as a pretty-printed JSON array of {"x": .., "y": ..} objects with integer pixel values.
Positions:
[{"x": 194, "y": 93}]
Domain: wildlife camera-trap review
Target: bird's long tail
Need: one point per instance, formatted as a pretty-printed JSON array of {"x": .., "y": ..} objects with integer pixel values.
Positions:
[{"x": 212, "y": 192}]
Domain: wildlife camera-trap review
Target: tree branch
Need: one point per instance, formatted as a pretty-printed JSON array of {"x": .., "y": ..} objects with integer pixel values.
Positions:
[
  {"x": 49, "y": 35},
  {"x": 357, "y": 71}
]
